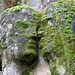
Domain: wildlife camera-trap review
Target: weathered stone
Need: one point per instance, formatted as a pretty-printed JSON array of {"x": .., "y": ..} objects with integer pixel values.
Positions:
[{"x": 13, "y": 40}]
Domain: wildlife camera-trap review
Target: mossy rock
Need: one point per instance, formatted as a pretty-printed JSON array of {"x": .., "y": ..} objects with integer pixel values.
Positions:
[
  {"x": 51, "y": 38},
  {"x": 28, "y": 58},
  {"x": 62, "y": 33}
]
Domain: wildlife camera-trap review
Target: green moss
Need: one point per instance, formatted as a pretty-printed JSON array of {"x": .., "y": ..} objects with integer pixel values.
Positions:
[
  {"x": 45, "y": 48},
  {"x": 14, "y": 9},
  {"x": 22, "y": 24},
  {"x": 54, "y": 71},
  {"x": 69, "y": 20},
  {"x": 2, "y": 47},
  {"x": 68, "y": 31},
  {"x": 21, "y": 35},
  {"x": 72, "y": 39},
  {"x": 44, "y": 52},
  {"x": 20, "y": 44},
  {"x": 65, "y": 10},
  {"x": 56, "y": 4},
  {"x": 31, "y": 46},
  {"x": 25, "y": 71},
  {"x": 60, "y": 1},
  {"x": 18, "y": 8},
  {"x": 11, "y": 34},
  {"x": 32, "y": 52},
  {"x": 67, "y": 24},
  {"x": 31, "y": 42},
  {"x": 10, "y": 40},
  {"x": 66, "y": 16},
  {"x": 25, "y": 6},
  {"x": 31, "y": 20},
  {"x": 41, "y": 32},
  {"x": 36, "y": 14},
  {"x": 51, "y": 10},
  {"x": 67, "y": 4},
  {"x": 72, "y": 9},
  {"x": 48, "y": 18},
  {"x": 67, "y": 27},
  {"x": 73, "y": 71},
  {"x": 4, "y": 12},
  {"x": 69, "y": 12},
  {"x": 32, "y": 37},
  {"x": 59, "y": 11},
  {"x": 63, "y": 46},
  {"x": 43, "y": 44},
  {"x": 44, "y": 16},
  {"x": 41, "y": 29}
]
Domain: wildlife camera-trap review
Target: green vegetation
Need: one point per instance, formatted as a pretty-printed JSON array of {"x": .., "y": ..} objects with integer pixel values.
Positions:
[
  {"x": 15, "y": 8},
  {"x": 66, "y": 16},
  {"x": 63, "y": 45},
  {"x": 51, "y": 10},
  {"x": 30, "y": 54},
  {"x": 55, "y": 40},
  {"x": 22, "y": 24},
  {"x": 18, "y": 8},
  {"x": 65, "y": 10},
  {"x": 25, "y": 71},
  {"x": 10, "y": 40},
  {"x": 31, "y": 20}
]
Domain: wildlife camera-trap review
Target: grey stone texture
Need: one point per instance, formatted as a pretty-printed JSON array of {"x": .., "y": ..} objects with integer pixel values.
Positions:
[
  {"x": 37, "y": 4},
  {"x": 2, "y": 6},
  {"x": 14, "y": 43}
]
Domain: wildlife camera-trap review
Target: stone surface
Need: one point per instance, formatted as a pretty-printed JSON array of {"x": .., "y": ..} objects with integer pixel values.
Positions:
[
  {"x": 10, "y": 67},
  {"x": 40, "y": 4},
  {"x": 41, "y": 68},
  {"x": 37, "y": 4},
  {"x": 9, "y": 38},
  {"x": 0, "y": 73},
  {"x": 14, "y": 43},
  {"x": 2, "y": 6}
]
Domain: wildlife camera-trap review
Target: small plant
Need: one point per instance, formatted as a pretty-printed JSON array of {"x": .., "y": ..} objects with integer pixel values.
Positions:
[
  {"x": 65, "y": 10},
  {"x": 32, "y": 52},
  {"x": 10, "y": 40},
  {"x": 69, "y": 20},
  {"x": 31, "y": 20},
  {"x": 25, "y": 71},
  {"x": 66, "y": 16},
  {"x": 22, "y": 24},
  {"x": 51, "y": 10},
  {"x": 69, "y": 12}
]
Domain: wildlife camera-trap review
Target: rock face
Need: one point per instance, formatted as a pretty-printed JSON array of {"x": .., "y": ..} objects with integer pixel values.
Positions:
[
  {"x": 0, "y": 73},
  {"x": 40, "y": 4},
  {"x": 15, "y": 32},
  {"x": 41, "y": 68},
  {"x": 57, "y": 39},
  {"x": 38, "y": 43},
  {"x": 2, "y": 6},
  {"x": 36, "y": 4},
  {"x": 10, "y": 67}
]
